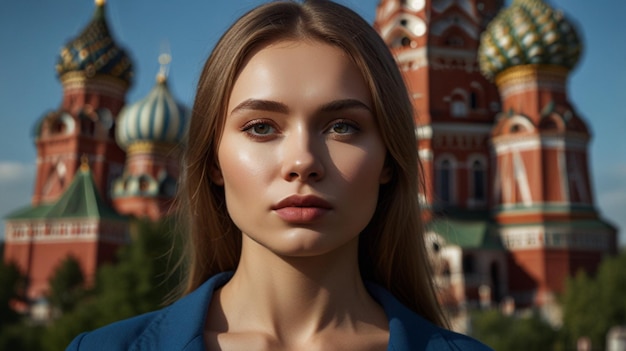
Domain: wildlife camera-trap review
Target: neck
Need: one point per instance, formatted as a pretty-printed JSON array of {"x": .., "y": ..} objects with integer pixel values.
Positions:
[{"x": 296, "y": 297}]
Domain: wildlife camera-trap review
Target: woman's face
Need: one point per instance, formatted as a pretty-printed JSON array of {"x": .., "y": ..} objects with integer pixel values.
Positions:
[{"x": 301, "y": 159}]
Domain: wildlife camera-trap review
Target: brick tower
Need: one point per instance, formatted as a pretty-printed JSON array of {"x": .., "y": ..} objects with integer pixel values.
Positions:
[
  {"x": 543, "y": 200},
  {"x": 77, "y": 160}
]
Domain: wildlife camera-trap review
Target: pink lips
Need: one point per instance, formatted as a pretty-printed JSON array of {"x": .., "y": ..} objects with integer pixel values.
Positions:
[{"x": 301, "y": 209}]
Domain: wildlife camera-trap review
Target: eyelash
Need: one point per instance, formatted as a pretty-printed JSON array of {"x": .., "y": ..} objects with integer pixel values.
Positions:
[
  {"x": 248, "y": 128},
  {"x": 351, "y": 125}
]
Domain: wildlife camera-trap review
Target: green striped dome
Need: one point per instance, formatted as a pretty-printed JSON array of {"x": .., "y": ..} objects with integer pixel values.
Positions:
[
  {"x": 528, "y": 32},
  {"x": 156, "y": 118}
]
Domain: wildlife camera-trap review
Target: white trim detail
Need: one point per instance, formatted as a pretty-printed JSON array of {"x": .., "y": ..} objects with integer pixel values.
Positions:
[
  {"x": 534, "y": 142},
  {"x": 418, "y": 56},
  {"x": 424, "y": 132},
  {"x": 455, "y": 20},
  {"x": 565, "y": 237},
  {"x": 521, "y": 179},
  {"x": 425, "y": 154},
  {"x": 513, "y": 89}
]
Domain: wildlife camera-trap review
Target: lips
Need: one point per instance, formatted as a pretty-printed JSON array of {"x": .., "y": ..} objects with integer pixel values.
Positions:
[{"x": 301, "y": 209}]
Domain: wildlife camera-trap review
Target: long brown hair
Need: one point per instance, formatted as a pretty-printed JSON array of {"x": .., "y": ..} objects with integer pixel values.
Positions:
[{"x": 391, "y": 249}]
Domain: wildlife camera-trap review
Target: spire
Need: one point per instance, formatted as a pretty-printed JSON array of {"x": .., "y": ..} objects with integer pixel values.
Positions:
[
  {"x": 84, "y": 163},
  {"x": 164, "y": 61}
]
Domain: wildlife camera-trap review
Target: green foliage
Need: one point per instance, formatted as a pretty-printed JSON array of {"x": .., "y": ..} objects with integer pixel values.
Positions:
[
  {"x": 14, "y": 335},
  {"x": 591, "y": 306},
  {"x": 136, "y": 284},
  {"x": 11, "y": 282},
  {"x": 513, "y": 333},
  {"x": 66, "y": 285},
  {"x": 21, "y": 337}
]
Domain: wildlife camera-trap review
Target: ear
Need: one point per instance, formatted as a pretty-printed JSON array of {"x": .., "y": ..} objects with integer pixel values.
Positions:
[
  {"x": 385, "y": 174},
  {"x": 215, "y": 173}
]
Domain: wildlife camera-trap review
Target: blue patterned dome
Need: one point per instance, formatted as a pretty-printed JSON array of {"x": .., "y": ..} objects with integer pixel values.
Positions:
[
  {"x": 94, "y": 52},
  {"x": 528, "y": 32},
  {"x": 157, "y": 118}
]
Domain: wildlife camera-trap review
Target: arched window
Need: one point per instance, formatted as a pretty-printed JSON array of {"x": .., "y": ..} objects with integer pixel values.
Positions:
[
  {"x": 458, "y": 108},
  {"x": 58, "y": 127},
  {"x": 478, "y": 181},
  {"x": 445, "y": 181},
  {"x": 473, "y": 100},
  {"x": 144, "y": 184},
  {"x": 458, "y": 104}
]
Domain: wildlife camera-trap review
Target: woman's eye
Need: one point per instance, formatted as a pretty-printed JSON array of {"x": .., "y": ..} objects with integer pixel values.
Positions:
[
  {"x": 259, "y": 129},
  {"x": 343, "y": 128}
]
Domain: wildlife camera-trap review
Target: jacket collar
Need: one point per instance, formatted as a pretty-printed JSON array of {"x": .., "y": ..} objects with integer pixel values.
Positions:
[{"x": 181, "y": 326}]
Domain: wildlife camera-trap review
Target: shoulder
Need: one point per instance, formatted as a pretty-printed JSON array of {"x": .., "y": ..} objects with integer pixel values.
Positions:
[
  {"x": 410, "y": 331},
  {"x": 176, "y": 327},
  {"x": 116, "y": 336},
  {"x": 448, "y": 340}
]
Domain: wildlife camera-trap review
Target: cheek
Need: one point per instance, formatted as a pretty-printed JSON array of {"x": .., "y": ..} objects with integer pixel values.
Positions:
[
  {"x": 359, "y": 165},
  {"x": 239, "y": 160},
  {"x": 245, "y": 168}
]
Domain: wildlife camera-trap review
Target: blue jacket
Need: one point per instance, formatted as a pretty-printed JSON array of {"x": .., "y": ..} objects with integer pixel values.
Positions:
[{"x": 180, "y": 327}]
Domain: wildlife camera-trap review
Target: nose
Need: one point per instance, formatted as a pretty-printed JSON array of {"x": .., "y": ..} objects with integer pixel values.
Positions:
[{"x": 302, "y": 158}]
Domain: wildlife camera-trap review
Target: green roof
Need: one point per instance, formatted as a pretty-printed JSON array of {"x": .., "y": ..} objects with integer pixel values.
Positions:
[
  {"x": 80, "y": 200},
  {"x": 467, "y": 231}
]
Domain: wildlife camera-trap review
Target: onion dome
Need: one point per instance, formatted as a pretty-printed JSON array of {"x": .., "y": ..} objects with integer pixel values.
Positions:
[
  {"x": 157, "y": 118},
  {"x": 94, "y": 52},
  {"x": 528, "y": 32}
]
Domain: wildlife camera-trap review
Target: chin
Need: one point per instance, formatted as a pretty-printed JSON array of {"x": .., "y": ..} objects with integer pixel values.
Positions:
[{"x": 302, "y": 242}]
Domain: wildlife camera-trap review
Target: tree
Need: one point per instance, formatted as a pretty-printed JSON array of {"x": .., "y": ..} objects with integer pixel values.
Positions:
[
  {"x": 66, "y": 285},
  {"x": 11, "y": 282},
  {"x": 591, "y": 306},
  {"x": 513, "y": 333},
  {"x": 136, "y": 284}
]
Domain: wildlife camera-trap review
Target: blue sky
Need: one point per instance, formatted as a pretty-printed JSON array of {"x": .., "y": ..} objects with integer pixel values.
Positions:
[{"x": 33, "y": 32}]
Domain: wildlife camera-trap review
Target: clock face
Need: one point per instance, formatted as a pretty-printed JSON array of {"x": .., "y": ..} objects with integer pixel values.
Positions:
[{"x": 415, "y": 5}]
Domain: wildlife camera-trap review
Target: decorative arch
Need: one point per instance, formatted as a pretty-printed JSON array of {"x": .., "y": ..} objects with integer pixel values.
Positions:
[
  {"x": 62, "y": 124},
  {"x": 552, "y": 122},
  {"x": 106, "y": 122},
  {"x": 517, "y": 124},
  {"x": 411, "y": 25},
  {"x": 146, "y": 185},
  {"x": 87, "y": 118},
  {"x": 455, "y": 20}
]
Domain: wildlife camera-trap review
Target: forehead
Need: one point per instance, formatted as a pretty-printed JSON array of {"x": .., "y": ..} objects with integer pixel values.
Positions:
[{"x": 297, "y": 70}]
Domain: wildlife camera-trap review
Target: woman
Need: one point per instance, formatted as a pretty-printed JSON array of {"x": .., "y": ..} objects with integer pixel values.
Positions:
[{"x": 300, "y": 190}]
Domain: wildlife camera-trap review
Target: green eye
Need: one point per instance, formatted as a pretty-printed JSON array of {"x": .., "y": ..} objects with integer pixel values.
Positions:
[
  {"x": 261, "y": 129},
  {"x": 343, "y": 128}
]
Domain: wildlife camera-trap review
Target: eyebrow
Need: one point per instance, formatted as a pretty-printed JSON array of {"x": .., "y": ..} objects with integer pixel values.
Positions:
[
  {"x": 275, "y": 106},
  {"x": 344, "y": 104},
  {"x": 261, "y": 105}
]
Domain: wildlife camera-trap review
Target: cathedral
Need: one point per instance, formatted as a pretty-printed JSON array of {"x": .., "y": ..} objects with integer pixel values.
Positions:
[
  {"x": 100, "y": 161},
  {"x": 506, "y": 192},
  {"x": 509, "y": 206}
]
